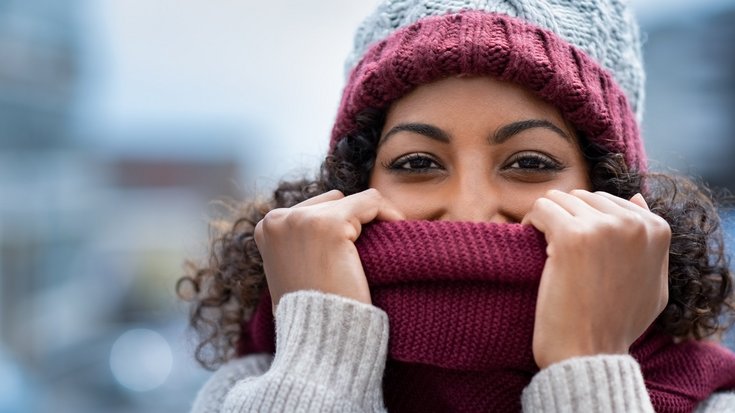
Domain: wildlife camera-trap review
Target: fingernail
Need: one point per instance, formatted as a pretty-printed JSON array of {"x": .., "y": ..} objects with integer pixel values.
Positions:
[{"x": 641, "y": 198}]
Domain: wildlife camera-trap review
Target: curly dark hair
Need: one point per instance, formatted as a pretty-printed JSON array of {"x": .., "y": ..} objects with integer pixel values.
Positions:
[{"x": 225, "y": 290}]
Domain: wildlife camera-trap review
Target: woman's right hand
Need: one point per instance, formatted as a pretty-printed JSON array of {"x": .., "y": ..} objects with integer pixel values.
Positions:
[{"x": 311, "y": 246}]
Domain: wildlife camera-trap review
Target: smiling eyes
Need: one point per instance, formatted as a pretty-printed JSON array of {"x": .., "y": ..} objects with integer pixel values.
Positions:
[
  {"x": 533, "y": 160},
  {"x": 530, "y": 162},
  {"x": 413, "y": 162}
]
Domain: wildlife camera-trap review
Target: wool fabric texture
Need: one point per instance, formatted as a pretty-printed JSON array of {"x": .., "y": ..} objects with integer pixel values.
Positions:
[
  {"x": 460, "y": 298},
  {"x": 476, "y": 43},
  {"x": 605, "y": 30}
]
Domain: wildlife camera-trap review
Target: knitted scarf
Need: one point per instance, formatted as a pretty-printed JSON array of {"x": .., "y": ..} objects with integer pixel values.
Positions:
[{"x": 461, "y": 299}]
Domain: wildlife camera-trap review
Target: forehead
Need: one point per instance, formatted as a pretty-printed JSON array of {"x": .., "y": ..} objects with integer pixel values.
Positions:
[{"x": 472, "y": 102}]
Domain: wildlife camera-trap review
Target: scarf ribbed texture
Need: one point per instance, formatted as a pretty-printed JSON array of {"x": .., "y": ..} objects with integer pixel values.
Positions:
[{"x": 461, "y": 300}]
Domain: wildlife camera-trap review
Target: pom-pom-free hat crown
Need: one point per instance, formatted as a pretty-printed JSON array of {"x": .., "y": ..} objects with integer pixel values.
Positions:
[
  {"x": 481, "y": 43},
  {"x": 605, "y": 30}
]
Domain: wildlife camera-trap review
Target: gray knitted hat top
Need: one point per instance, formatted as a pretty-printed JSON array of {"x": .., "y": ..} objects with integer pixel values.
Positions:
[{"x": 604, "y": 29}]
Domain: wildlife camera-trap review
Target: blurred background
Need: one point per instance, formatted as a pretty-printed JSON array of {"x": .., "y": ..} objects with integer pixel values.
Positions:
[{"x": 121, "y": 120}]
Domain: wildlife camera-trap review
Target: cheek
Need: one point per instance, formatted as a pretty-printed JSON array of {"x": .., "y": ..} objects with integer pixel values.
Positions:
[
  {"x": 519, "y": 198},
  {"x": 576, "y": 178},
  {"x": 517, "y": 203}
]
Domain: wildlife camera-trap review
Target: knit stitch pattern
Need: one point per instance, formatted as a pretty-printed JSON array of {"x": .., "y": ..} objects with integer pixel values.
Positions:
[
  {"x": 477, "y": 43},
  {"x": 460, "y": 298},
  {"x": 604, "y": 29}
]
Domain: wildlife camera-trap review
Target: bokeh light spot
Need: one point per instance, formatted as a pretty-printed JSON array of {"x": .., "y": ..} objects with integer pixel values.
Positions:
[{"x": 141, "y": 359}]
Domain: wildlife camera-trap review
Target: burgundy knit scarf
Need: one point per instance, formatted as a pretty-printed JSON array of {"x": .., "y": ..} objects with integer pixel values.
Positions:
[{"x": 461, "y": 298}]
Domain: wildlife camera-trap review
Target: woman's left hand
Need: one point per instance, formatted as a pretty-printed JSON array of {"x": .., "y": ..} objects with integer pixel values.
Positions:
[{"x": 606, "y": 276}]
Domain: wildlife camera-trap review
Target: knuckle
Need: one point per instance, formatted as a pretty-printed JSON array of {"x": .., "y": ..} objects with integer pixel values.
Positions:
[
  {"x": 608, "y": 223},
  {"x": 536, "y": 204},
  {"x": 605, "y": 226},
  {"x": 551, "y": 193},
  {"x": 272, "y": 217},
  {"x": 296, "y": 219},
  {"x": 661, "y": 226},
  {"x": 578, "y": 231},
  {"x": 630, "y": 224},
  {"x": 373, "y": 194},
  {"x": 334, "y": 193},
  {"x": 258, "y": 232},
  {"x": 632, "y": 219},
  {"x": 269, "y": 225},
  {"x": 541, "y": 203},
  {"x": 305, "y": 221}
]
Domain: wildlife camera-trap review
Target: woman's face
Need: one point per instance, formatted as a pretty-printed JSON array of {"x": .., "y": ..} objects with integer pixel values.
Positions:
[{"x": 474, "y": 149}]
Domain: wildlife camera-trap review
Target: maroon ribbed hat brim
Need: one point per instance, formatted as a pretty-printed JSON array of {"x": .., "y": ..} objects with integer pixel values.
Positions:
[{"x": 490, "y": 44}]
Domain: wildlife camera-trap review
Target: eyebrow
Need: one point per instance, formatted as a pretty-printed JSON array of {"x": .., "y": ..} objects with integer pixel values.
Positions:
[
  {"x": 512, "y": 129},
  {"x": 430, "y": 131},
  {"x": 500, "y": 136}
]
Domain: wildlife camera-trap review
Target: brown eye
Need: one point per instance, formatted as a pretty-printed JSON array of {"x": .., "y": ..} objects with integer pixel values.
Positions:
[
  {"x": 533, "y": 162},
  {"x": 414, "y": 162}
]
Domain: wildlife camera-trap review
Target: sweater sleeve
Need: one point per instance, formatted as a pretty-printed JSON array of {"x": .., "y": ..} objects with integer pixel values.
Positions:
[
  {"x": 330, "y": 357},
  {"x": 605, "y": 383},
  {"x": 213, "y": 393},
  {"x": 723, "y": 402}
]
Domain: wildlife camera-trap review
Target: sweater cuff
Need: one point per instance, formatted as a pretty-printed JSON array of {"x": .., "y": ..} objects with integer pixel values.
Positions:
[
  {"x": 604, "y": 383},
  {"x": 332, "y": 341}
]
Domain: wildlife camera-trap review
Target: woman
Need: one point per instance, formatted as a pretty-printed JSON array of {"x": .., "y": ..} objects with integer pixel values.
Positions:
[{"x": 461, "y": 129}]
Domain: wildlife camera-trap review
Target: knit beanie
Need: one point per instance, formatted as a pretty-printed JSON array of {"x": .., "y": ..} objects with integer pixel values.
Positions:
[{"x": 583, "y": 57}]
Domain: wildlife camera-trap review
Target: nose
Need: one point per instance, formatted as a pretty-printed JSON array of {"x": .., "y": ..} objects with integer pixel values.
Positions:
[{"x": 474, "y": 200}]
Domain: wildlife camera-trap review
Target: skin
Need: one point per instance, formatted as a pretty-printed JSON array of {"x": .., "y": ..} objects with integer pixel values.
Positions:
[
  {"x": 477, "y": 149},
  {"x": 478, "y": 171}
]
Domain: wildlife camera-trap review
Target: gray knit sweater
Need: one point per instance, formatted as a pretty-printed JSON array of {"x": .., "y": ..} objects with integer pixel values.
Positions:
[{"x": 331, "y": 353}]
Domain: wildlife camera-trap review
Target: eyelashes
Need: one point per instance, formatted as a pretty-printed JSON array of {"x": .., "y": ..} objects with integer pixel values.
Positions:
[
  {"x": 522, "y": 162},
  {"x": 413, "y": 163},
  {"x": 534, "y": 161}
]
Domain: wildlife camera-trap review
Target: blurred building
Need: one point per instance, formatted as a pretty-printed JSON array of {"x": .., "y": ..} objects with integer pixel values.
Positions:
[
  {"x": 689, "y": 123},
  {"x": 38, "y": 45},
  {"x": 92, "y": 235},
  {"x": 37, "y": 81}
]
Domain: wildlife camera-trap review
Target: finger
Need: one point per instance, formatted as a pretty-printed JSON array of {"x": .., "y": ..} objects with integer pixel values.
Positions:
[
  {"x": 575, "y": 205},
  {"x": 629, "y": 205},
  {"x": 367, "y": 206},
  {"x": 546, "y": 215},
  {"x": 600, "y": 202},
  {"x": 389, "y": 212},
  {"x": 332, "y": 195},
  {"x": 386, "y": 211},
  {"x": 640, "y": 201},
  {"x": 258, "y": 234}
]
